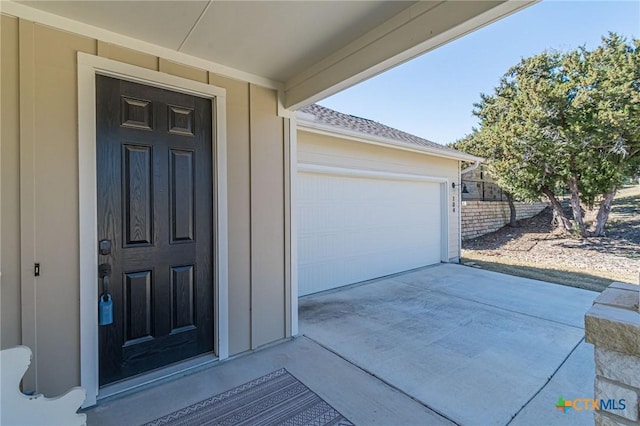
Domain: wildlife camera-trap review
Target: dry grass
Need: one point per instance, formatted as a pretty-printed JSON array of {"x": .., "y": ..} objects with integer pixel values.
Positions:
[
  {"x": 565, "y": 276},
  {"x": 535, "y": 251}
]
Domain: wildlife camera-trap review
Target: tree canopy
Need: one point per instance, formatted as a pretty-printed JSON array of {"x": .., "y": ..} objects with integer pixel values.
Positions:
[{"x": 564, "y": 121}]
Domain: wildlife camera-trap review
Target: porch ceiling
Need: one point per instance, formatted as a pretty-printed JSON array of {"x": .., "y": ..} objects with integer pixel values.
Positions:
[{"x": 311, "y": 49}]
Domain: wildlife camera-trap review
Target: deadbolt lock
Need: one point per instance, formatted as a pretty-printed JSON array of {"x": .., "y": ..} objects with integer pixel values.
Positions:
[{"x": 104, "y": 247}]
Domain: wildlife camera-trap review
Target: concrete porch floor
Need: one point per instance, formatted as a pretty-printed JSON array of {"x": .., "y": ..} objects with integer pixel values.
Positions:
[{"x": 441, "y": 345}]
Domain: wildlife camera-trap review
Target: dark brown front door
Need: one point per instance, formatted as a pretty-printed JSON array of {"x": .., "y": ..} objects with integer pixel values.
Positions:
[{"x": 155, "y": 209}]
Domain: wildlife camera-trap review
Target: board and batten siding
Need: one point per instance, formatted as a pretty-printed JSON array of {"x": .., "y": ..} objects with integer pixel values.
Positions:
[
  {"x": 10, "y": 334},
  {"x": 334, "y": 151},
  {"x": 39, "y": 202}
]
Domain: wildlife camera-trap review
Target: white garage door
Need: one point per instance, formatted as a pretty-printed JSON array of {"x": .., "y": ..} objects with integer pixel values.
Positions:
[{"x": 352, "y": 229}]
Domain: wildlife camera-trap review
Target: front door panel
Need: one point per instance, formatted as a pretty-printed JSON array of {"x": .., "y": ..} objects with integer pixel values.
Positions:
[{"x": 155, "y": 206}]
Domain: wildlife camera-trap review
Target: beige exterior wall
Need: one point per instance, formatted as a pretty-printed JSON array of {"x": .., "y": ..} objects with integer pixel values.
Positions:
[
  {"x": 267, "y": 227},
  {"x": 10, "y": 189},
  {"x": 239, "y": 201},
  {"x": 326, "y": 150},
  {"x": 40, "y": 200}
]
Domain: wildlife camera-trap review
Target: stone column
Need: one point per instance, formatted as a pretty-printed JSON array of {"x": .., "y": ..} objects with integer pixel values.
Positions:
[{"x": 613, "y": 326}]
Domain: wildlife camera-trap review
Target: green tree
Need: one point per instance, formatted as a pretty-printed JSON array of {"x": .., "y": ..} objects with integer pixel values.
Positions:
[{"x": 565, "y": 120}]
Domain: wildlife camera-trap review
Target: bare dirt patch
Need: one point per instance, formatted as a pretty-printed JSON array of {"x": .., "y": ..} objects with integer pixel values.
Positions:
[{"x": 536, "y": 250}]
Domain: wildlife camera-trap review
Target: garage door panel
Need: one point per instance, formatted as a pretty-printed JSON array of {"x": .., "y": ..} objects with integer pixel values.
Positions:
[{"x": 352, "y": 229}]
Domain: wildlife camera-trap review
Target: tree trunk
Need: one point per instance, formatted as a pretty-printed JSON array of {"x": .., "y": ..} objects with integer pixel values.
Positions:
[
  {"x": 512, "y": 211},
  {"x": 558, "y": 215},
  {"x": 575, "y": 205},
  {"x": 603, "y": 213}
]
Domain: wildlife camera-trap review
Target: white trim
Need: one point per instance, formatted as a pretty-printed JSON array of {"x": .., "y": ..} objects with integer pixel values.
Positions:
[
  {"x": 328, "y": 130},
  {"x": 459, "y": 192},
  {"x": 444, "y": 221},
  {"x": 69, "y": 25},
  {"x": 88, "y": 230},
  {"x": 88, "y": 67},
  {"x": 282, "y": 110},
  {"x": 222, "y": 229},
  {"x": 293, "y": 221},
  {"x": 371, "y": 174}
]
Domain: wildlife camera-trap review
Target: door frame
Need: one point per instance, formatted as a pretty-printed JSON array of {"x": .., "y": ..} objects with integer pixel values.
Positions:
[{"x": 88, "y": 67}]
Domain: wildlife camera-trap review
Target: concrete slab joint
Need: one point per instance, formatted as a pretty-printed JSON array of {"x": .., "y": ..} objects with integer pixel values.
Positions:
[{"x": 613, "y": 326}]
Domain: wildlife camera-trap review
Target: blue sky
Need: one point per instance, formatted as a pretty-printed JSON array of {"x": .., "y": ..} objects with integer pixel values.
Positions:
[{"x": 432, "y": 96}]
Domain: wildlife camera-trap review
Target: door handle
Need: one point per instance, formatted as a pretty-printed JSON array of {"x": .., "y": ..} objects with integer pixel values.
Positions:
[{"x": 104, "y": 271}]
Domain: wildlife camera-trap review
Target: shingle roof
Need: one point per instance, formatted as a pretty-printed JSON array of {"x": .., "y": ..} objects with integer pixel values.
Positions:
[{"x": 324, "y": 115}]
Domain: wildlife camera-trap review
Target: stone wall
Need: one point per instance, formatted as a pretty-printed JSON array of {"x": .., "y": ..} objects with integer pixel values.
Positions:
[
  {"x": 482, "y": 217},
  {"x": 613, "y": 326}
]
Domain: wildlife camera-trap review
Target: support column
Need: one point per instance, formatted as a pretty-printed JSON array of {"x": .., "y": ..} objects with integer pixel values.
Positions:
[{"x": 613, "y": 326}]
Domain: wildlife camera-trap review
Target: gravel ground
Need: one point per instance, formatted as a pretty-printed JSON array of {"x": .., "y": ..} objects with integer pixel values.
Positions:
[{"x": 536, "y": 244}]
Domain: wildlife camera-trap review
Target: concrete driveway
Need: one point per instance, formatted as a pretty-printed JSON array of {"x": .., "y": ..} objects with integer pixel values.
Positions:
[{"x": 475, "y": 347}]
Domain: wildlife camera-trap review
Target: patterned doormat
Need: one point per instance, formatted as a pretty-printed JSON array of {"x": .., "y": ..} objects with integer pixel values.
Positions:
[{"x": 277, "y": 398}]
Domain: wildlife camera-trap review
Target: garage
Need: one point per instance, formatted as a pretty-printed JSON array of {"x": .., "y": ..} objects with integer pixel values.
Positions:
[
  {"x": 372, "y": 201},
  {"x": 354, "y": 228}
]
